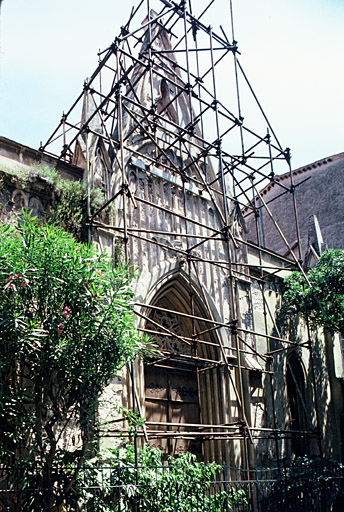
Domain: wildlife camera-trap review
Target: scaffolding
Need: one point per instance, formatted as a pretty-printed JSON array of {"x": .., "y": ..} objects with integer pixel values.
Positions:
[{"x": 157, "y": 106}]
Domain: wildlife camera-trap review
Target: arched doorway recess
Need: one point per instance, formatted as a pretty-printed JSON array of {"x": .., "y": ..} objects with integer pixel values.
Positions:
[
  {"x": 184, "y": 386},
  {"x": 299, "y": 416}
]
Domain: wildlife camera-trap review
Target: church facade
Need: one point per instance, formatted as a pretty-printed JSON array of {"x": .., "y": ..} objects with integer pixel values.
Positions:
[{"x": 224, "y": 381}]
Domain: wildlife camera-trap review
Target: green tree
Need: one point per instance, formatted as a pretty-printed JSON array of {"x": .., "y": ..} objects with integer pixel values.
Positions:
[
  {"x": 323, "y": 301},
  {"x": 65, "y": 327}
]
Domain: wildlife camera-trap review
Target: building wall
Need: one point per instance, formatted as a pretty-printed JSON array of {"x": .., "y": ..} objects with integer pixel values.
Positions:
[
  {"x": 318, "y": 192},
  {"x": 164, "y": 275},
  {"x": 22, "y": 179}
]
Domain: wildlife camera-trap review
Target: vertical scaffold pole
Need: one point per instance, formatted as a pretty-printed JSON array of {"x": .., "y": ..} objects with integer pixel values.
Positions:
[
  {"x": 88, "y": 168},
  {"x": 124, "y": 187},
  {"x": 292, "y": 188},
  {"x": 232, "y": 290}
]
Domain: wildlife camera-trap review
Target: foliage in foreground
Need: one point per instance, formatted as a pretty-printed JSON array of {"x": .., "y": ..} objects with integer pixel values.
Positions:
[
  {"x": 312, "y": 483},
  {"x": 183, "y": 485},
  {"x": 323, "y": 302},
  {"x": 65, "y": 327}
]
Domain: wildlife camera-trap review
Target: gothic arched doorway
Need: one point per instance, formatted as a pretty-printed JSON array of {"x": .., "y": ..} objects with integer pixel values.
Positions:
[{"x": 182, "y": 388}]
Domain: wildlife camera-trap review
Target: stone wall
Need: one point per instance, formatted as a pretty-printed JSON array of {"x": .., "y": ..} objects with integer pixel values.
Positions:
[
  {"x": 165, "y": 278},
  {"x": 23, "y": 183}
]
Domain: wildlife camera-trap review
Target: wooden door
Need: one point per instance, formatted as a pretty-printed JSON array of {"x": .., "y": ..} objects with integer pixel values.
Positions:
[{"x": 171, "y": 396}]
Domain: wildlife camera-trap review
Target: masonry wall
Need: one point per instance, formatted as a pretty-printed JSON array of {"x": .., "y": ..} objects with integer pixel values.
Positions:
[{"x": 264, "y": 379}]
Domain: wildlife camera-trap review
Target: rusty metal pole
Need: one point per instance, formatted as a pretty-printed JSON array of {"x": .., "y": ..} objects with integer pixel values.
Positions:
[
  {"x": 231, "y": 278},
  {"x": 88, "y": 170}
]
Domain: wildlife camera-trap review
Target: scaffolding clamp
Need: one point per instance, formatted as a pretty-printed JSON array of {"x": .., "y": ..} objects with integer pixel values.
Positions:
[
  {"x": 181, "y": 6},
  {"x": 124, "y": 189},
  {"x": 287, "y": 155},
  {"x": 234, "y": 326},
  {"x": 233, "y": 47},
  {"x": 124, "y": 31},
  {"x": 243, "y": 429},
  {"x": 194, "y": 27},
  {"x": 115, "y": 45}
]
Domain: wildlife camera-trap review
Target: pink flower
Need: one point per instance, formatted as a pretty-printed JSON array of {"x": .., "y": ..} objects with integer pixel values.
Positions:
[
  {"x": 17, "y": 275},
  {"x": 11, "y": 285},
  {"x": 66, "y": 311},
  {"x": 9, "y": 279},
  {"x": 60, "y": 328},
  {"x": 23, "y": 283}
]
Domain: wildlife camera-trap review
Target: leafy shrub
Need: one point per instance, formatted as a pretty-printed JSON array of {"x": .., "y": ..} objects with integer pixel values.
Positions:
[
  {"x": 323, "y": 301},
  {"x": 69, "y": 210},
  {"x": 308, "y": 483},
  {"x": 114, "y": 483},
  {"x": 65, "y": 327},
  {"x": 69, "y": 207}
]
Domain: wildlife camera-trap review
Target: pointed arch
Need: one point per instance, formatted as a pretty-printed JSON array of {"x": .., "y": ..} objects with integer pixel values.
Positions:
[
  {"x": 296, "y": 388},
  {"x": 184, "y": 385}
]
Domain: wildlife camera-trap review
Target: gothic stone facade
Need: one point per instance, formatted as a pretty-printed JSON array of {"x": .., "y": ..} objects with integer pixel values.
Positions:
[
  {"x": 196, "y": 389},
  {"x": 224, "y": 383}
]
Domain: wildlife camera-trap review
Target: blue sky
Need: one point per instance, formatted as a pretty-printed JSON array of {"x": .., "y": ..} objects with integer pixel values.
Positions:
[{"x": 291, "y": 51}]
